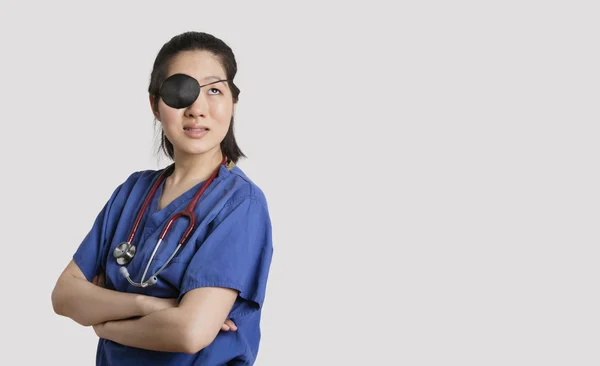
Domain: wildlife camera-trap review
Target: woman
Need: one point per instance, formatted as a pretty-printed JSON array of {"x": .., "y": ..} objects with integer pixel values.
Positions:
[{"x": 195, "y": 300}]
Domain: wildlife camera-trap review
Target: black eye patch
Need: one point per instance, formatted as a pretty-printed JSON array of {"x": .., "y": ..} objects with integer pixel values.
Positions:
[{"x": 180, "y": 90}]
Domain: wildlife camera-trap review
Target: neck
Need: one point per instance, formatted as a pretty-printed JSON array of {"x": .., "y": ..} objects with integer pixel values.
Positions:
[{"x": 195, "y": 168}]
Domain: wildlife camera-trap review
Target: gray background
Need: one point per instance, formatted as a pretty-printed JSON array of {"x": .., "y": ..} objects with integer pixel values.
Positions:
[{"x": 431, "y": 170}]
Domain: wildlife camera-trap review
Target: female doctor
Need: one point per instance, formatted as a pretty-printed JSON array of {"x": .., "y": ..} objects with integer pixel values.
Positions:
[{"x": 183, "y": 252}]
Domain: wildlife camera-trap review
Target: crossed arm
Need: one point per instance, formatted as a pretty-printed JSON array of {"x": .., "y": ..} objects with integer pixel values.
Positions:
[{"x": 144, "y": 321}]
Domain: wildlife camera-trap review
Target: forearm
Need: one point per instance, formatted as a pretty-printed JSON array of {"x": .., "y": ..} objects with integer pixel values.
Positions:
[
  {"x": 88, "y": 304},
  {"x": 189, "y": 327},
  {"x": 160, "y": 331}
]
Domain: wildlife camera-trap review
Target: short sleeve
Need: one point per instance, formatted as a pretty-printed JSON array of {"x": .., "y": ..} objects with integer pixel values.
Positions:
[
  {"x": 236, "y": 254},
  {"x": 89, "y": 254}
]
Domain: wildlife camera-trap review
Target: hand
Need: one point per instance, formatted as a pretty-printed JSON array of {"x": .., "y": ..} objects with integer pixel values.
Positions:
[
  {"x": 99, "y": 280},
  {"x": 228, "y": 325}
]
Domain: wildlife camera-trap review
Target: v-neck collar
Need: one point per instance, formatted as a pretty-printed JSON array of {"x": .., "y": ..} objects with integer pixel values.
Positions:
[{"x": 157, "y": 217}]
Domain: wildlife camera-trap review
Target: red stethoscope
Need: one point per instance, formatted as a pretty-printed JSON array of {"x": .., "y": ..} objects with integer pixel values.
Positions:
[{"x": 125, "y": 252}]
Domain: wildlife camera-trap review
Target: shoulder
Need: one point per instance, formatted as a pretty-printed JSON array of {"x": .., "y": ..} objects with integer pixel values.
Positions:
[
  {"x": 240, "y": 199},
  {"x": 134, "y": 182},
  {"x": 243, "y": 189},
  {"x": 142, "y": 177}
]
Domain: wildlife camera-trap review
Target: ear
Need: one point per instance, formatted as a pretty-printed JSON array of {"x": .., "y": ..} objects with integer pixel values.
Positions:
[{"x": 155, "y": 112}]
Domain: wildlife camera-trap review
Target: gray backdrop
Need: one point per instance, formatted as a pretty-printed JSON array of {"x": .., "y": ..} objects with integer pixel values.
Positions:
[{"x": 431, "y": 170}]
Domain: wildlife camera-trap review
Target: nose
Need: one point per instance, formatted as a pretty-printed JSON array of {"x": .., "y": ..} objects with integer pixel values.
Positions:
[{"x": 199, "y": 108}]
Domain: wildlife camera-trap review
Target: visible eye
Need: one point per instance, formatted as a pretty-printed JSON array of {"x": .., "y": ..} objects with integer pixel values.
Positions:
[{"x": 214, "y": 91}]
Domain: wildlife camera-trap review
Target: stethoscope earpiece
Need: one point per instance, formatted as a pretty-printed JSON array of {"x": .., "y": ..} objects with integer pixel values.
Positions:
[{"x": 124, "y": 272}]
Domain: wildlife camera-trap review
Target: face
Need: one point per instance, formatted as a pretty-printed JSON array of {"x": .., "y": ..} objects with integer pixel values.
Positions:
[{"x": 200, "y": 127}]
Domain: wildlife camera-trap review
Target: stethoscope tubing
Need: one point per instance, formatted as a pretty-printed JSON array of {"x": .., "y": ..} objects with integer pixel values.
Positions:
[{"x": 187, "y": 212}]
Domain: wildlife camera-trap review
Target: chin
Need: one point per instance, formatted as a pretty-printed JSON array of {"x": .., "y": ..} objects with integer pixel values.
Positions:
[{"x": 197, "y": 150}]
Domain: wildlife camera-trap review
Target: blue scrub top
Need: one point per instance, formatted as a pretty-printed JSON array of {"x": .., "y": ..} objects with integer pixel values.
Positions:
[{"x": 231, "y": 246}]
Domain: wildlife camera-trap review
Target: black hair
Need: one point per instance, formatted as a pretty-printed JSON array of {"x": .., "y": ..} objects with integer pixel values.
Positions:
[{"x": 196, "y": 41}]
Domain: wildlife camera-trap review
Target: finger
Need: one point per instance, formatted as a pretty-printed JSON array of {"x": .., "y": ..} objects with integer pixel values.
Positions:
[
  {"x": 95, "y": 280},
  {"x": 231, "y": 324},
  {"x": 224, "y": 327}
]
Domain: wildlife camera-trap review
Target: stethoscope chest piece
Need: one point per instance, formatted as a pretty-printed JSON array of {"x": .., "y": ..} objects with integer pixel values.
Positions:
[{"x": 124, "y": 253}]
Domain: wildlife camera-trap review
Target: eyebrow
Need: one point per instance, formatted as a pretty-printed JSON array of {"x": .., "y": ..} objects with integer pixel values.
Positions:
[{"x": 214, "y": 78}]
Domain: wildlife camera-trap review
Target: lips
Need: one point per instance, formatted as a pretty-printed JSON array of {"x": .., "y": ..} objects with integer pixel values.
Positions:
[
  {"x": 195, "y": 132},
  {"x": 198, "y": 128}
]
